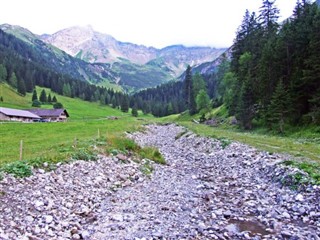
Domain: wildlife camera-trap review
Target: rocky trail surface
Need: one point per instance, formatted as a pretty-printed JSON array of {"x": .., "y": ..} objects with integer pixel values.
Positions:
[{"x": 207, "y": 190}]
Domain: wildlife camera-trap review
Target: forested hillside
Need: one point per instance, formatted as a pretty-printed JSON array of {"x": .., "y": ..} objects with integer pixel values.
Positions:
[
  {"x": 272, "y": 77},
  {"x": 274, "y": 74},
  {"x": 23, "y": 68}
]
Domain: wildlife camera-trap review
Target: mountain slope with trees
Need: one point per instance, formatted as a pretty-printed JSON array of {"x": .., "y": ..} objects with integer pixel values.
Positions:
[{"x": 270, "y": 76}]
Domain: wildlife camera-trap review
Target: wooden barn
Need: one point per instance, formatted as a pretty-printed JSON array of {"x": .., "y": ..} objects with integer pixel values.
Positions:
[
  {"x": 10, "y": 114},
  {"x": 51, "y": 115}
]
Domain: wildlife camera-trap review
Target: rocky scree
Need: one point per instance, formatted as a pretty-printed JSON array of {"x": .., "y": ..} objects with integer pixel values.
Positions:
[{"x": 207, "y": 190}]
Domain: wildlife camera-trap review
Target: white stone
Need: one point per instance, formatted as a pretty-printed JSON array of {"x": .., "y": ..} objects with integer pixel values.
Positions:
[
  {"x": 299, "y": 197},
  {"x": 48, "y": 219}
]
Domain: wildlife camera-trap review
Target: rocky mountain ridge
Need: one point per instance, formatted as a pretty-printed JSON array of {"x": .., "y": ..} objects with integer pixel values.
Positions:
[
  {"x": 95, "y": 47},
  {"x": 101, "y": 59}
]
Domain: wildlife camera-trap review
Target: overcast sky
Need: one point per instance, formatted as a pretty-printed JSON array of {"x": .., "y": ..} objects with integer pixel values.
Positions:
[{"x": 157, "y": 23}]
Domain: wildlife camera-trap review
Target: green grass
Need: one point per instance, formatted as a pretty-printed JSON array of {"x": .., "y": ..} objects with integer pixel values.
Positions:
[
  {"x": 55, "y": 141},
  {"x": 268, "y": 143},
  {"x": 77, "y": 108},
  {"x": 11, "y": 99},
  {"x": 119, "y": 144},
  {"x": 303, "y": 144}
]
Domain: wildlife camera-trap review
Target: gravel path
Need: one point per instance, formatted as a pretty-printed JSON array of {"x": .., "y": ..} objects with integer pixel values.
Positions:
[{"x": 206, "y": 191}]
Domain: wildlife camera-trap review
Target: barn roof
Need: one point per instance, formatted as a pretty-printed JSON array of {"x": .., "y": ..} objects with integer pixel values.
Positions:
[
  {"x": 49, "y": 112},
  {"x": 18, "y": 113}
]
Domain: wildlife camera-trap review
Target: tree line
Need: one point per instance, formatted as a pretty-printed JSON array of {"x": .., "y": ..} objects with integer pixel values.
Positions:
[{"x": 274, "y": 74}]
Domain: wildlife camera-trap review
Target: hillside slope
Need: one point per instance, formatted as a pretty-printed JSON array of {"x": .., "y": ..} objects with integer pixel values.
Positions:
[{"x": 77, "y": 108}]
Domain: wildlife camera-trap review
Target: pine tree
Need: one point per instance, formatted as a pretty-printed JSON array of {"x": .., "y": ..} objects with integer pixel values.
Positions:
[
  {"x": 124, "y": 105},
  {"x": 54, "y": 99},
  {"x": 3, "y": 73},
  {"x": 315, "y": 107},
  {"x": 1, "y": 99},
  {"x": 188, "y": 86},
  {"x": 34, "y": 95},
  {"x": 245, "y": 111},
  {"x": 278, "y": 109},
  {"x": 21, "y": 87},
  {"x": 268, "y": 17},
  {"x": 43, "y": 96},
  {"x": 66, "y": 90},
  {"x": 13, "y": 81}
]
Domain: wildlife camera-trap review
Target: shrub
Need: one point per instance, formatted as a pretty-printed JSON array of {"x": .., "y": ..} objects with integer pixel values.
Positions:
[
  {"x": 18, "y": 169},
  {"x": 84, "y": 154},
  {"x": 36, "y": 103}
]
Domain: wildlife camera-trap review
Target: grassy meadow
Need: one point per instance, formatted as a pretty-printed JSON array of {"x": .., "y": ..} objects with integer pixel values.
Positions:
[
  {"x": 54, "y": 141},
  {"x": 89, "y": 126}
]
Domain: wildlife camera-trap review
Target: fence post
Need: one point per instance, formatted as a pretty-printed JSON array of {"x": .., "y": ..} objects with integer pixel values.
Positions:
[{"x": 21, "y": 149}]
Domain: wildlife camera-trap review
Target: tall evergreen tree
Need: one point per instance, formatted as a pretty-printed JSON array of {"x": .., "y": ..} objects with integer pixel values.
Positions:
[
  {"x": 3, "y": 73},
  {"x": 21, "y": 87},
  {"x": 269, "y": 15},
  {"x": 124, "y": 105},
  {"x": 54, "y": 99},
  {"x": 188, "y": 86},
  {"x": 43, "y": 96},
  {"x": 245, "y": 111},
  {"x": 49, "y": 98},
  {"x": 34, "y": 95},
  {"x": 278, "y": 109},
  {"x": 13, "y": 81}
]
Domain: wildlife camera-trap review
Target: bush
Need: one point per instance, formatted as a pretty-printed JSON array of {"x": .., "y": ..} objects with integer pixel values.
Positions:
[
  {"x": 18, "y": 169},
  {"x": 57, "y": 105},
  {"x": 36, "y": 103},
  {"x": 84, "y": 154}
]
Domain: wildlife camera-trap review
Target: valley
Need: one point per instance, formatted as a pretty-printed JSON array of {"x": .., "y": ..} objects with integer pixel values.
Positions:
[{"x": 176, "y": 142}]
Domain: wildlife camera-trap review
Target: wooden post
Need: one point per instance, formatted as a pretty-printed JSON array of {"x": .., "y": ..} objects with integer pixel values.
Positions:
[
  {"x": 21, "y": 149},
  {"x": 75, "y": 142}
]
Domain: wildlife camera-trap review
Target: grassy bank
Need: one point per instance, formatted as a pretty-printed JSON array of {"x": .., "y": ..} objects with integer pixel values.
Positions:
[{"x": 55, "y": 141}]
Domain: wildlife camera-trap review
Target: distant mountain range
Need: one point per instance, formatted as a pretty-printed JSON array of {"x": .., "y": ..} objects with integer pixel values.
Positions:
[{"x": 101, "y": 59}]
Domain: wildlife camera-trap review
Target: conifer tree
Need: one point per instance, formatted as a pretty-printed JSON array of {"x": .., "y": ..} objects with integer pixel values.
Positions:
[
  {"x": 279, "y": 106},
  {"x": 3, "y": 73},
  {"x": 34, "y": 95},
  {"x": 54, "y": 99},
  {"x": 13, "y": 81},
  {"x": 49, "y": 98},
  {"x": 188, "y": 86},
  {"x": 43, "y": 96},
  {"x": 124, "y": 105},
  {"x": 315, "y": 107},
  {"x": 21, "y": 87},
  {"x": 245, "y": 111}
]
